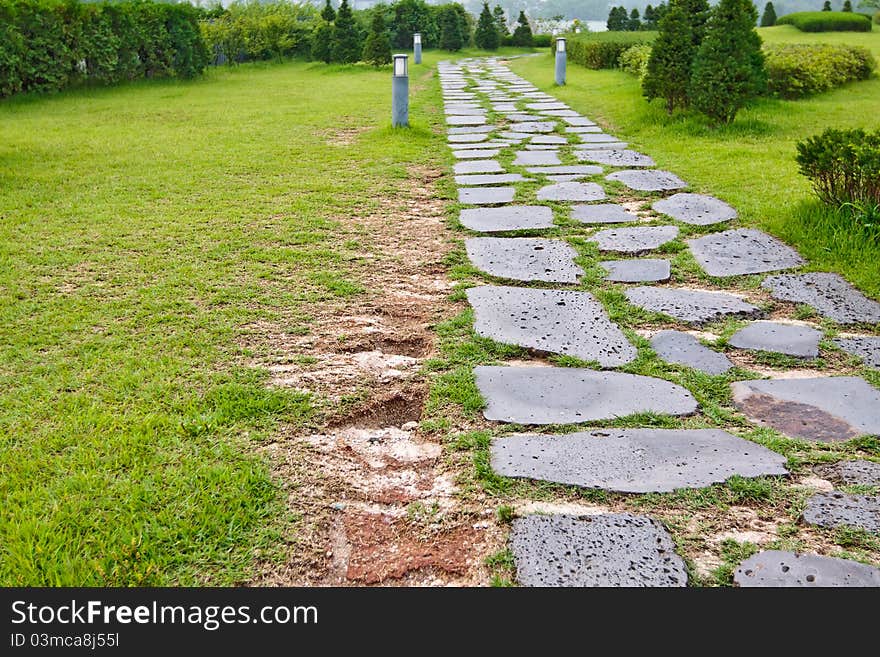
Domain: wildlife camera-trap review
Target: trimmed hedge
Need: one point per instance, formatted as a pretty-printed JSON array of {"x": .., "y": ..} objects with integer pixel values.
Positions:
[
  {"x": 798, "y": 70},
  {"x": 603, "y": 49},
  {"x": 827, "y": 21},
  {"x": 49, "y": 45},
  {"x": 541, "y": 40}
]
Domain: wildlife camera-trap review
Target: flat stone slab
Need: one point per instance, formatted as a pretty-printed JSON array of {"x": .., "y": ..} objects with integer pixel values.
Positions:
[
  {"x": 857, "y": 472},
  {"x": 692, "y": 306},
  {"x": 549, "y": 139},
  {"x": 602, "y": 213},
  {"x": 566, "y": 178},
  {"x": 635, "y": 239},
  {"x": 612, "y": 549},
  {"x": 467, "y": 139},
  {"x": 829, "y": 294},
  {"x": 780, "y": 569},
  {"x": 596, "y": 137},
  {"x": 643, "y": 270},
  {"x": 647, "y": 181},
  {"x": 576, "y": 130},
  {"x": 485, "y": 195},
  {"x": 471, "y": 154},
  {"x": 742, "y": 251},
  {"x": 684, "y": 349},
  {"x": 555, "y": 321},
  {"x": 791, "y": 339},
  {"x": 695, "y": 209},
  {"x": 519, "y": 136},
  {"x": 866, "y": 347},
  {"x": 466, "y": 120},
  {"x": 577, "y": 121},
  {"x": 634, "y": 460},
  {"x": 512, "y": 217},
  {"x": 542, "y": 147},
  {"x": 559, "y": 112},
  {"x": 537, "y": 158},
  {"x": 524, "y": 258},
  {"x": 534, "y": 126},
  {"x": 826, "y": 409},
  {"x": 607, "y": 145},
  {"x": 489, "y": 179},
  {"x": 477, "y": 166},
  {"x": 471, "y": 129},
  {"x": 842, "y": 510},
  {"x": 570, "y": 395},
  {"x": 571, "y": 191},
  {"x": 551, "y": 105},
  {"x": 615, "y": 158},
  {"x": 566, "y": 170}
]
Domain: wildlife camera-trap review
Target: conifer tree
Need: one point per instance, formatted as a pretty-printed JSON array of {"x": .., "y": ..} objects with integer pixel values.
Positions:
[
  {"x": 617, "y": 19},
  {"x": 669, "y": 66},
  {"x": 500, "y": 21},
  {"x": 328, "y": 13},
  {"x": 768, "y": 18},
  {"x": 322, "y": 43},
  {"x": 347, "y": 46},
  {"x": 449, "y": 24},
  {"x": 649, "y": 21},
  {"x": 522, "y": 35},
  {"x": 847, "y": 6},
  {"x": 377, "y": 48},
  {"x": 634, "y": 24},
  {"x": 486, "y": 35},
  {"x": 827, "y": 6}
]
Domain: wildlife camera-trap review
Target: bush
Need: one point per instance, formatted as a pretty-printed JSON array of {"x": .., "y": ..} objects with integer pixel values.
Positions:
[
  {"x": 542, "y": 40},
  {"x": 827, "y": 21},
  {"x": 843, "y": 166},
  {"x": 635, "y": 59},
  {"x": 602, "y": 49},
  {"x": 798, "y": 70}
]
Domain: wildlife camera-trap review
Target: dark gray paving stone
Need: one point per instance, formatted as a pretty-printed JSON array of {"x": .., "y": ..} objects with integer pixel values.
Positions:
[
  {"x": 611, "y": 157},
  {"x": 521, "y": 117},
  {"x": 485, "y": 195},
  {"x": 692, "y": 306},
  {"x": 555, "y": 321},
  {"x": 494, "y": 143},
  {"x": 607, "y": 145},
  {"x": 537, "y": 158},
  {"x": 829, "y": 294},
  {"x": 608, "y": 550},
  {"x": 471, "y": 129},
  {"x": 826, "y": 409},
  {"x": 857, "y": 472},
  {"x": 549, "y": 139},
  {"x": 488, "y": 179},
  {"x": 779, "y": 569},
  {"x": 466, "y": 120},
  {"x": 596, "y": 137},
  {"x": 569, "y": 395},
  {"x": 647, "y": 181},
  {"x": 602, "y": 213},
  {"x": 695, "y": 209},
  {"x": 684, "y": 349},
  {"x": 477, "y": 166},
  {"x": 866, "y": 347},
  {"x": 471, "y": 154},
  {"x": 549, "y": 105},
  {"x": 577, "y": 121},
  {"x": 524, "y": 258},
  {"x": 742, "y": 251},
  {"x": 467, "y": 139},
  {"x": 643, "y": 270},
  {"x": 534, "y": 126},
  {"x": 518, "y": 136},
  {"x": 571, "y": 191},
  {"x": 634, "y": 460},
  {"x": 511, "y": 217},
  {"x": 634, "y": 239},
  {"x": 791, "y": 339},
  {"x": 567, "y": 170},
  {"x": 842, "y": 510}
]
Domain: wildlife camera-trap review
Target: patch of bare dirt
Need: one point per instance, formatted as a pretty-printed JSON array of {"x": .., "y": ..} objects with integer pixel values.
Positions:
[{"x": 344, "y": 136}]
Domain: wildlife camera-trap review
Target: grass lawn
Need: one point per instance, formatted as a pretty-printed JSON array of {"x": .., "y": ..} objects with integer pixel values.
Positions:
[
  {"x": 144, "y": 232},
  {"x": 749, "y": 164}
]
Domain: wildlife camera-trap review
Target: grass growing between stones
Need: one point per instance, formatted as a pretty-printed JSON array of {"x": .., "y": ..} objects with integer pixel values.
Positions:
[{"x": 148, "y": 233}]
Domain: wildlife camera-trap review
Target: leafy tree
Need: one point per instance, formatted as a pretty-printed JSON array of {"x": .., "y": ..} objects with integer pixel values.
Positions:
[
  {"x": 522, "y": 35},
  {"x": 617, "y": 19},
  {"x": 486, "y": 36},
  {"x": 466, "y": 21},
  {"x": 768, "y": 18},
  {"x": 500, "y": 21},
  {"x": 377, "y": 48},
  {"x": 827, "y": 6},
  {"x": 634, "y": 24},
  {"x": 847, "y": 6},
  {"x": 346, "y": 46},
  {"x": 729, "y": 67},
  {"x": 669, "y": 66},
  {"x": 328, "y": 13},
  {"x": 411, "y": 16},
  {"x": 449, "y": 24}
]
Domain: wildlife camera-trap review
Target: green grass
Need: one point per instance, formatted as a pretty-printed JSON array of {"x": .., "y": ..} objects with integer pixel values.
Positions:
[
  {"x": 749, "y": 164},
  {"x": 147, "y": 233}
]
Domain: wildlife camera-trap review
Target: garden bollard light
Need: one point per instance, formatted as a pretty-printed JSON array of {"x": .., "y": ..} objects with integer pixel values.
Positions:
[
  {"x": 400, "y": 93},
  {"x": 417, "y": 48},
  {"x": 560, "y": 61}
]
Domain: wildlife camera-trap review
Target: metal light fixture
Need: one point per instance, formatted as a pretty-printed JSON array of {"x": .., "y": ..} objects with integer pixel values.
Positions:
[
  {"x": 417, "y": 48},
  {"x": 400, "y": 92},
  {"x": 560, "y": 61}
]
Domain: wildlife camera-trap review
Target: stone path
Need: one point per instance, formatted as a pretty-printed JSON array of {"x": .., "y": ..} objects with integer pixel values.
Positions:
[{"x": 540, "y": 166}]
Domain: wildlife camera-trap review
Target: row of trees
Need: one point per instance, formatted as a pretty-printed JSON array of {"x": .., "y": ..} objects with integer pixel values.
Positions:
[
  {"x": 492, "y": 29},
  {"x": 707, "y": 59},
  {"x": 620, "y": 21}
]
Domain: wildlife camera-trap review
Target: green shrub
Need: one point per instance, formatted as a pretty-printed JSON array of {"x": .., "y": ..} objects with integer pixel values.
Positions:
[
  {"x": 827, "y": 21},
  {"x": 797, "y": 70},
  {"x": 843, "y": 166},
  {"x": 542, "y": 40},
  {"x": 603, "y": 49},
  {"x": 635, "y": 59}
]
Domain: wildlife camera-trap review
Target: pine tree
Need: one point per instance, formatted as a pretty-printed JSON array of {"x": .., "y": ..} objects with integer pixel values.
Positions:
[
  {"x": 669, "y": 66},
  {"x": 500, "y": 21},
  {"x": 650, "y": 21},
  {"x": 322, "y": 43},
  {"x": 486, "y": 35},
  {"x": 634, "y": 24},
  {"x": 847, "y": 6},
  {"x": 729, "y": 67},
  {"x": 377, "y": 48},
  {"x": 328, "y": 13},
  {"x": 449, "y": 24},
  {"x": 346, "y": 37},
  {"x": 827, "y": 6},
  {"x": 617, "y": 19},
  {"x": 768, "y": 18},
  {"x": 697, "y": 13},
  {"x": 522, "y": 35}
]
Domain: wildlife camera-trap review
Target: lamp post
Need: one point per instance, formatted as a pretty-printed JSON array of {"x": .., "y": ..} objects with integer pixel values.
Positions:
[
  {"x": 400, "y": 92},
  {"x": 417, "y": 48},
  {"x": 560, "y": 61}
]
